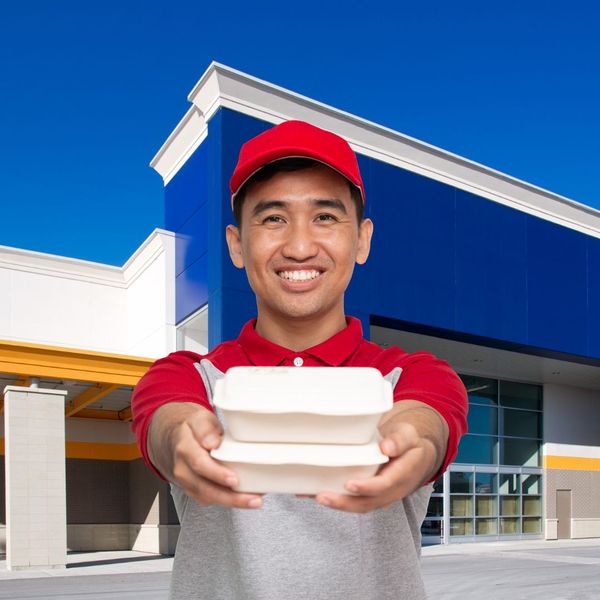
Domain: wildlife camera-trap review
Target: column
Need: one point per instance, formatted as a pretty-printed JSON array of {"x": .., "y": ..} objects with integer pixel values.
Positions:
[{"x": 36, "y": 507}]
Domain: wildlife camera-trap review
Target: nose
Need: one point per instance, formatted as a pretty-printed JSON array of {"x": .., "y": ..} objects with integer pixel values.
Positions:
[{"x": 300, "y": 244}]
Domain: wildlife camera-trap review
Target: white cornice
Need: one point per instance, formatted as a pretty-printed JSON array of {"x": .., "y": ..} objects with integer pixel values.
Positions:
[
  {"x": 180, "y": 145},
  {"x": 221, "y": 86},
  {"x": 40, "y": 263}
]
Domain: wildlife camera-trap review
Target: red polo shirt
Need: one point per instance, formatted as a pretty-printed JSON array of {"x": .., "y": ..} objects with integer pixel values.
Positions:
[{"x": 424, "y": 377}]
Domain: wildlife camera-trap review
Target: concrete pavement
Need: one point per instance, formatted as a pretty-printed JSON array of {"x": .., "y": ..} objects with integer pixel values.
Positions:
[{"x": 528, "y": 570}]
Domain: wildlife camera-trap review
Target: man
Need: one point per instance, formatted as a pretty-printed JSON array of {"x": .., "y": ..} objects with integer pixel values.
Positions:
[{"x": 298, "y": 198}]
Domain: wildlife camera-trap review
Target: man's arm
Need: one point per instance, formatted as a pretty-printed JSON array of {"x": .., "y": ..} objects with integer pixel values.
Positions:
[
  {"x": 414, "y": 436},
  {"x": 176, "y": 429},
  {"x": 180, "y": 439}
]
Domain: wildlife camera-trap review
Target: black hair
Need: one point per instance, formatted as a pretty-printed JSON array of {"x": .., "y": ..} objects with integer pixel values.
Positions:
[{"x": 288, "y": 165}]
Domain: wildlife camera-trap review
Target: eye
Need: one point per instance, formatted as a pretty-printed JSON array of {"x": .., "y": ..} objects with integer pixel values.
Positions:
[
  {"x": 272, "y": 219},
  {"x": 326, "y": 217}
]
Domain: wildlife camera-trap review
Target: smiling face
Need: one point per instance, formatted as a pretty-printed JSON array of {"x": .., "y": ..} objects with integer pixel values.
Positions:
[{"x": 299, "y": 242}]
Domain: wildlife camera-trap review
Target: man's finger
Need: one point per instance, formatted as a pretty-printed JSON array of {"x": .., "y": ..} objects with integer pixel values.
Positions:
[
  {"x": 397, "y": 473},
  {"x": 207, "y": 429},
  {"x": 190, "y": 455},
  {"x": 207, "y": 492}
]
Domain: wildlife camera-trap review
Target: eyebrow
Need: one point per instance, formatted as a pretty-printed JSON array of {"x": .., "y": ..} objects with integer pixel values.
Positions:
[{"x": 265, "y": 205}]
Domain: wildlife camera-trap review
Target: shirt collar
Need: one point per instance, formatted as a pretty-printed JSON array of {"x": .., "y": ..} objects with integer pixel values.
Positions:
[{"x": 333, "y": 352}]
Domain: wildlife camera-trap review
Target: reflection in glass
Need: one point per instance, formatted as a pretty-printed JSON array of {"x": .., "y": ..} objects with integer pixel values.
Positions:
[
  {"x": 532, "y": 525},
  {"x": 520, "y": 452},
  {"x": 461, "y": 506},
  {"x": 531, "y": 484},
  {"x": 478, "y": 449},
  {"x": 508, "y": 526},
  {"x": 486, "y": 483},
  {"x": 461, "y": 482},
  {"x": 483, "y": 419},
  {"x": 532, "y": 505},
  {"x": 509, "y": 505},
  {"x": 521, "y": 395},
  {"x": 432, "y": 527},
  {"x": 521, "y": 423},
  {"x": 509, "y": 483},
  {"x": 481, "y": 390},
  {"x": 486, "y": 526},
  {"x": 436, "y": 507},
  {"x": 486, "y": 506},
  {"x": 461, "y": 526}
]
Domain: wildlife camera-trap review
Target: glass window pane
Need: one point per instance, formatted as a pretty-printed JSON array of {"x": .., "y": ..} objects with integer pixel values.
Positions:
[
  {"x": 531, "y": 484},
  {"x": 435, "y": 507},
  {"x": 483, "y": 419},
  {"x": 432, "y": 527},
  {"x": 486, "y": 483},
  {"x": 481, "y": 390},
  {"x": 478, "y": 449},
  {"x": 461, "y": 526},
  {"x": 521, "y": 395},
  {"x": 509, "y": 505},
  {"x": 532, "y": 525},
  {"x": 486, "y": 526},
  {"x": 524, "y": 453},
  {"x": 508, "y": 526},
  {"x": 461, "y": 506},
  {"x": 461, "y": 483},
  {"x": 486, "y": 506},
  {"x": 509, "y": 483},
  {"x": 521, "y": 423},
  {"x": 438, "y": 486},
  {"x": 532, "y": 505}
]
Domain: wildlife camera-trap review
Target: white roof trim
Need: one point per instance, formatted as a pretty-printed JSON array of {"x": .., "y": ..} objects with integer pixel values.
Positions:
[
  {"x": 222, "y": 86},
  {"x": 41, "y": 263}
]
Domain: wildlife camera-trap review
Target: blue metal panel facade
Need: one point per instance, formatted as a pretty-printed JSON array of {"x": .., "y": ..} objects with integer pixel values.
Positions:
[{"x": 442, "y": 259}]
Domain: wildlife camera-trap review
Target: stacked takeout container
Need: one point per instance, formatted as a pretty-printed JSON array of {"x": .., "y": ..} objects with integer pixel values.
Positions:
[{"x": 301, "y": 430}]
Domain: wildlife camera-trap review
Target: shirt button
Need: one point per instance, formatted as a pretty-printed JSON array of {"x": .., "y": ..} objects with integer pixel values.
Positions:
[{"x": 298, "y": 362}]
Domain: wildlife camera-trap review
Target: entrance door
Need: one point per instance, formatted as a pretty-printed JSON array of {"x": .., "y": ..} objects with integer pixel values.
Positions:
[{"x": 563, "y": 513}]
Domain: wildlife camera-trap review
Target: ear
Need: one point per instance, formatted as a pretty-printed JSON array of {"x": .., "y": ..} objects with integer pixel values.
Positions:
[
  {"x": 365, "y": 231},
  {"x": 234, "y": 243}
]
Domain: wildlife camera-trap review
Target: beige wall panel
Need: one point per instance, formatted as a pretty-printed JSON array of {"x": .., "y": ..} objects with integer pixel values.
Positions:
[
  {"x": 586, "y": 492},
  {"x": 97, "y": 491},
  {"x": 149, "y": 497}
]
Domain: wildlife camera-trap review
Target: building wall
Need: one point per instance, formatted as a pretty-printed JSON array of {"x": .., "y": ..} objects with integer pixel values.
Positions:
[
  {"x": 572, "y": 455},
  {"x": 443, "y": 258},
  {"x": 66, "y": 302},
  {"x": 60, "y": 301}
]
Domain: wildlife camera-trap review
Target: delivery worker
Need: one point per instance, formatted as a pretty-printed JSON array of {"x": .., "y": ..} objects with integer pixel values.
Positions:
[{"x": 298, "y": 199}]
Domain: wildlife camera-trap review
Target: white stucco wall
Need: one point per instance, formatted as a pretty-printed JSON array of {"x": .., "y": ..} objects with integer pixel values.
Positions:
[{"x": 66, "y": 302}]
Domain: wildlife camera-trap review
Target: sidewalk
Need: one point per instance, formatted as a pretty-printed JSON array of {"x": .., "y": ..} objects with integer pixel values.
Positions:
[
  {"x": 117, "y": 562},
  {"x": 508, "y": 546},
  {"x": 97, "y": 563}
]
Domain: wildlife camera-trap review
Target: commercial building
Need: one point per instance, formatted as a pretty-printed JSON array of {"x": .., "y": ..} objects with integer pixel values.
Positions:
[{"x": 495, "y": 275}]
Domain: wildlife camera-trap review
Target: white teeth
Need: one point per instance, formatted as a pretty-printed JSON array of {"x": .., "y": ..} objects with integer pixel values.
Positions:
[{"x": 299, "y": 275}]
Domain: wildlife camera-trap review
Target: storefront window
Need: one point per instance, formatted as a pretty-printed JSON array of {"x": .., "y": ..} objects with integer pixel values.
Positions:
[{"x": 495, "y": 483}]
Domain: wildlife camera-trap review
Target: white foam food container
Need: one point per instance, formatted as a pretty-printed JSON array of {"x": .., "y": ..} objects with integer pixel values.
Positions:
[
  {"x": 298, "y": 468},
  {"x": 318, "y": 405}
]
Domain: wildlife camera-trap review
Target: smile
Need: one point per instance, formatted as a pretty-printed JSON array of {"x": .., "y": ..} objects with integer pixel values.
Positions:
[{"x": 299, "y": 275}]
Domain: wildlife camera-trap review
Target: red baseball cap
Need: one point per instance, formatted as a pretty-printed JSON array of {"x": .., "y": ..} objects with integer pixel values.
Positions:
[{"x": 295, "y": 139}]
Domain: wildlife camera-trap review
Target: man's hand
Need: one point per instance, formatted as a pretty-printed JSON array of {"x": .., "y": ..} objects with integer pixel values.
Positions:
[
  {"x": 180, "y": 438},
  {"x": 414, "y": 436}
]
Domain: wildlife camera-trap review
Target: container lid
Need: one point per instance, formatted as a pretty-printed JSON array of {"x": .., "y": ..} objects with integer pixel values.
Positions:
[
  {"x": 317, "y": 390},
  {"x": 324, "y": 455}
]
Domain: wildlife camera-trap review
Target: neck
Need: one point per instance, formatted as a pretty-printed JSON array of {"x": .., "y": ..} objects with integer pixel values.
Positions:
[{"x": 301, "y": 333}]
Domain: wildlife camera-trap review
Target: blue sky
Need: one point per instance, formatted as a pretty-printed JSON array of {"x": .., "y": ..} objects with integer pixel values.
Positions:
[{"x": 90, "y": 90}]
